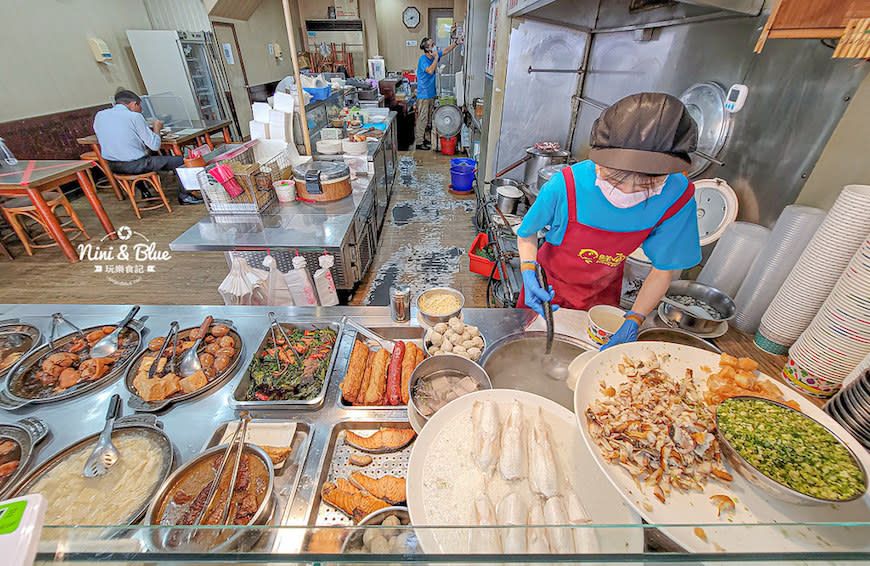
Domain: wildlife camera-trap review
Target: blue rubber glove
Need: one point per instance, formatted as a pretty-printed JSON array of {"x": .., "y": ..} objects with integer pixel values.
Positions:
[
  {"x": 626, "y": 333},
  {"x": 534, "y": 294}
]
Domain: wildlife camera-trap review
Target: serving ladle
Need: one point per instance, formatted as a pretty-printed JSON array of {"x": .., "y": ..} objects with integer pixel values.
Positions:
[
  {"x": 108, "y": 345},
  {"x": 190, "y": 361},
  {"x": 553, "y": 367},
  {"x": 105, "y": 455}
]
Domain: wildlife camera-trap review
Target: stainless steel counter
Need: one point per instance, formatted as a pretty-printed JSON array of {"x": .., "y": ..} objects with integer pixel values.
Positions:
[{"x": 190, "y": 424}]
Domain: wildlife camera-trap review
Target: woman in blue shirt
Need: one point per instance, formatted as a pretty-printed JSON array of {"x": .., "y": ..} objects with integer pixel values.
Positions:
[{"x": 629, "y": 193}]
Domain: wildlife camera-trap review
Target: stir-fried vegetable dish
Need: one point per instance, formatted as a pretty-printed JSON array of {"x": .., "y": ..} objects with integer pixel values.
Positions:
[{"x": 292, "y": 371}]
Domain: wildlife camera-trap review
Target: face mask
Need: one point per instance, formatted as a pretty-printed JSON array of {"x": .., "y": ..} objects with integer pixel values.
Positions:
[{"x": 620, "y": 199}]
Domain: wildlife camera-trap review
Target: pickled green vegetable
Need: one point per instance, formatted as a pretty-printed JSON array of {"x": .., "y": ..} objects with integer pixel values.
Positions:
[{"x": 790, "y": 448}]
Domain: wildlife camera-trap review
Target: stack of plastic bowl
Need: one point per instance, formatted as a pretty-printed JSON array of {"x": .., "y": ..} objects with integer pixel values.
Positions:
[
  {"x": 817, "y": 270},
  {"x": 793, "y": 230},
  {"x": 733, "y": 256},
  {"x": 838, "y": 338}
]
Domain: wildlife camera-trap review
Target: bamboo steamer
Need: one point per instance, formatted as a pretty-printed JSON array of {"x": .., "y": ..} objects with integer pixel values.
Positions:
[{"x": 322, "y": 181}]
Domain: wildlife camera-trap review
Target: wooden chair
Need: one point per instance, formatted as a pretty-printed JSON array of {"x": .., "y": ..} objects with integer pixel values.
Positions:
[
  {"x": 128, "y": 183},
  {"x": 18, "y": 211},
  {"x": 103, "y": 183}
]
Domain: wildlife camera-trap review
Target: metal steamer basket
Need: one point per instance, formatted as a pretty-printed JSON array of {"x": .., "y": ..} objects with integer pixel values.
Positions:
[
  {"x": 240, "y": 392},
  {"x": 27, "y": 433},
  {"x": 139, "y": 404},
  {"x": 16, "y": 336},
  {"x": 254, "y": 178},
  {"x": 240, "y": 540},
  {"x": 11, "y": 399},
  {"x": 145, "y": 424}
]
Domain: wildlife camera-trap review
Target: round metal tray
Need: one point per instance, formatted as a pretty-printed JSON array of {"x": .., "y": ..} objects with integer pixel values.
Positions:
[
  {"x": 29, "y": 335},
  {"x": 146, "y": 424},
  {"x": 241, "y": 539},
  {"x": 11, "y": 400},
  {"x": 139, "y": 404},
  {"x": 27, "y": 433}
]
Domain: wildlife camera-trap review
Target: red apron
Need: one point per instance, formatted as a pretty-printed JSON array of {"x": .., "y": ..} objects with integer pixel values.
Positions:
[{"x": 586, "y": 268}]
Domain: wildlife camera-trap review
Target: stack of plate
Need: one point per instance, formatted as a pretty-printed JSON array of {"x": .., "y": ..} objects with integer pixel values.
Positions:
[
  {"x": 817, "y": 270},
  {"x": 838, "y": 338},
  {"x": 851, "y": 408},
  {"x": 793, "y": 230},
  {"x": 733, "y": 256}
]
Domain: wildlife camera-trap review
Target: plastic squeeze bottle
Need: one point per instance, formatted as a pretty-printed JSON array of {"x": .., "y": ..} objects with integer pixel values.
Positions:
[
  {"x": 299, "y": 281},
  {"x": 324, "y": 282}
]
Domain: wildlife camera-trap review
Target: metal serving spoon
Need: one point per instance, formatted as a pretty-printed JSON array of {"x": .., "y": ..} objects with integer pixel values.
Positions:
[
  {"x": 190, "y": 362},
  {"x": 105, "y": 455},
  {"x": 691, "y": 309},
  {"x": 108, "y": 345}
]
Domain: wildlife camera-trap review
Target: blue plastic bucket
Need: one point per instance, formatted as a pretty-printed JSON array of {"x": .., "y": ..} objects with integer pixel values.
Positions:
[
  {"x": 462, "y": 161},
  {"x": 462, "y": 176}
]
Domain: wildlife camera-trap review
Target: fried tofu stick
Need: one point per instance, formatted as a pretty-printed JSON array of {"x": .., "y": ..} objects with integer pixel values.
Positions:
[
  {"x": 367, "y": 376},
  {"x": 378, "y": 383},
  {"x": 356, "y": 368}
]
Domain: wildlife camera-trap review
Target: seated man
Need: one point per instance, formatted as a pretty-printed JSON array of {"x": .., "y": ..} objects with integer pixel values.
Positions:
[{"x": 125, "y": 141}]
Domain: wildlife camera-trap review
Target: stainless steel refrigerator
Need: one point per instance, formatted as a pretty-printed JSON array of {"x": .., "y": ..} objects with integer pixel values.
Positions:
[{"x": 186, "y": 65}]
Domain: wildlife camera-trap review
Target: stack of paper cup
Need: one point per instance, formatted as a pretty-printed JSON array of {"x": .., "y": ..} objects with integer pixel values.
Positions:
[
  {"x": 793, "y": 230},
  {"x": 817, "y": 270},
  {"x": 838, "y": 338},
  {"x": 733, "y": 256}
]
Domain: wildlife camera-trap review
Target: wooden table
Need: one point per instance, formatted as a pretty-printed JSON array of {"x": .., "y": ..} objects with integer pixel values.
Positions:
[
  {"x": 31, "y": 178},
  {"x": 200, "y": 133}
]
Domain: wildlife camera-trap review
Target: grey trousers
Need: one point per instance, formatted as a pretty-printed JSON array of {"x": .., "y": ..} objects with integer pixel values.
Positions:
[
  {"x": 147, "y": 164},
  {"x": 425, "y": 108}
]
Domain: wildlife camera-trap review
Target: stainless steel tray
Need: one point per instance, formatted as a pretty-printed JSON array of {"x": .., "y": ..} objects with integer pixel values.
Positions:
[
  {"x": 27, "y": 433},
  {"x": 139, "y": 404},
  {"x": 29, "y": 335},
  {"x": 336, "y": 465},
  {"x": 238, "y": 399},
  {"x": 287, "y": 478},
  {"x": 404, "y": 333},
  {"x": 10, "y": 400}
]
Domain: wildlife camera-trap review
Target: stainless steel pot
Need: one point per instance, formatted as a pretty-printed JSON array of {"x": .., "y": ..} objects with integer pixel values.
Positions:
[
  {"x": 539, "y": 159},
  {"x": 546, "y": 173},
  {"x": 495, "y": 184},
  {"x": 508, "y": 198},
  {"x": 445, "y": 365},
  {"x": 710, "y": 295}
]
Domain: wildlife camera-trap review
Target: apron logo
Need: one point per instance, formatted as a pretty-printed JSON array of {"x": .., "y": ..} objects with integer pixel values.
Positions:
[{"x": 591, "y": 256}]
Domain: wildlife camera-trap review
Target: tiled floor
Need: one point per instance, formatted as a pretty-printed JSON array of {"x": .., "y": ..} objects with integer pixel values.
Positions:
[{"x": 424, "y": 242}]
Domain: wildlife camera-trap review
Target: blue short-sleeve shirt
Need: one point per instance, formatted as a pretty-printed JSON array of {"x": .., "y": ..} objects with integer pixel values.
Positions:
[
  {"x": 425, "y": 81},
  {"x": 673, "y": 244}
]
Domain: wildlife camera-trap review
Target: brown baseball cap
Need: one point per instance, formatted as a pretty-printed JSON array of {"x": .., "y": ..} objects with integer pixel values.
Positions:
[{"x": 648, "y": 132}]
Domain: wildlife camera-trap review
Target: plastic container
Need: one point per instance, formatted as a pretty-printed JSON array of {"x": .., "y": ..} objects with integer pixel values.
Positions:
[
  {"x": 479, "y": 264},
  {"x": 286, "y": 190},
  {"x": 319, "y": 93},
  {"x": 462, "y": 161},
  {"x": 462, "y": 177},
  {"x": 324, "y": 283},
  {"x": 733, "y": 256},
  {"x": 300, "y": 284},
  {"x": 448, "y": 146}
]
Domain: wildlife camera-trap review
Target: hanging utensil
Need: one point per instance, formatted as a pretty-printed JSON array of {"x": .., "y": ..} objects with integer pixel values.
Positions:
[
  {"x": 225, "y": 514},
  {"x": 105, "y": 455},
  {"x": 553, "y": 367},
  {"x": 56, "y": 320},
  {"x": 273, "y": 324},
  {"x": 368, "y": 333},
  {"x": 190, "y": 361},
  {"x": 108, "y": 345}
]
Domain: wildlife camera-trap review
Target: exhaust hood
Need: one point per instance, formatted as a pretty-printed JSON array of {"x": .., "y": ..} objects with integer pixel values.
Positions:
[{"x": 750, "y": 7}]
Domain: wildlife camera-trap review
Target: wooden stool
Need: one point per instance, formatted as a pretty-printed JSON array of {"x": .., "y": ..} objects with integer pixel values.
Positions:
[
  {"x": 104, "y": 183},
  {"x": 128, "y": 183},
  {"x": 17, "y": 210}
]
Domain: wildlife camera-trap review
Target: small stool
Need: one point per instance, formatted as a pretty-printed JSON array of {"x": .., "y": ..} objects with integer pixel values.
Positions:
[
  {"x": 128, "y": 183},
  {"x": 103, "y": 183},
  {"x": 17, "y": 210}
]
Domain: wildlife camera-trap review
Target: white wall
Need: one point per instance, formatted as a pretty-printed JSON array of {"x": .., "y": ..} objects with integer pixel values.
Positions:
[
  {"x": 185, "y": 15},
  {"x": 392, "y": 33},
  {"x": 45, "y": 62}
]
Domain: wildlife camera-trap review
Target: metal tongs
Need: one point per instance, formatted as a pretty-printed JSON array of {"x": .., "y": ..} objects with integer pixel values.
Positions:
[
  {"x": 239, "y": 435},
  {"x": 368, "y": 333},
  {"x": 56, "y": 320},
  {"x": 273, "y": 324},
  {"x": 172, "y": 336}
]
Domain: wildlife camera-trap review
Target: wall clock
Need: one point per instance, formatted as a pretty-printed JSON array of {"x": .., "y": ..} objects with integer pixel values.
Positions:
[{"x": 411, "y": 17}]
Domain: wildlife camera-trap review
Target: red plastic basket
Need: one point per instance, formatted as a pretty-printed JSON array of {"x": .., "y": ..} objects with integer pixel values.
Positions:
[{"x": 479, "y": 264}]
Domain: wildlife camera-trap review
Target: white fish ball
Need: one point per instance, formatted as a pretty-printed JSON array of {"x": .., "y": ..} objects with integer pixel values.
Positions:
[
  {"x": 369, "y": 535},
  {"x": 460, "y": 350},
  {"x": 478, "y": 341},
  {"x": 456, "y": 339},
  {"x": 456, "y": 325},
  {"x": 447, "y": 347},
  {"x": 436, "y": 339},
  {"x": 466, "y": 336},
  {"x": 474, "y": 354},
  {"x": 433, "y": 350},
  {"x": 403, "y": 543},
  {"x": 473, "y": 330},
  {"x": 380, "y": 545},
  {"x": 468, "y": 344},
  {"x": 440, "y": 328},
  {"x": 439, "y": 353},
  {"x": 448, "y": 336}
]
